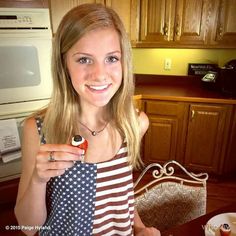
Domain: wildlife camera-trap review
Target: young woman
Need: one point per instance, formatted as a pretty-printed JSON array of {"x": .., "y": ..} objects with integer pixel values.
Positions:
[{"x": 93, "y": 87}]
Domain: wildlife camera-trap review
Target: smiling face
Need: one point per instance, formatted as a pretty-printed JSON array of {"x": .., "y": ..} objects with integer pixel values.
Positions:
[{"x": 94, "y": 65}]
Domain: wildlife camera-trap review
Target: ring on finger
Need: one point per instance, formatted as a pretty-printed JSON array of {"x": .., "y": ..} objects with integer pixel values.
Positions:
[{"x": 51, "y": 157}]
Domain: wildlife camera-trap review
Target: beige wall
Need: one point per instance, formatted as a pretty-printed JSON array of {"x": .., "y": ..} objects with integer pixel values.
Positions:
[{"x": 151, "y": 61}]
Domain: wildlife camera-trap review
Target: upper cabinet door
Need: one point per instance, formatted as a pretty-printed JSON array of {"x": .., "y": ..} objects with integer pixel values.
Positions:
[
  {"x": 225, "y": 30},
  {"x": 59, "y": 8},
  {"x": 173, "y": 22},
  {"x": 190, "y": 22},
  {"x": 128, "y": 12},
  {"x": 156, "y": 20}
]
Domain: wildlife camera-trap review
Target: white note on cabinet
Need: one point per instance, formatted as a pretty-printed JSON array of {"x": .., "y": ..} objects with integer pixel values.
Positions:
[{"x": 9, "y": 140}]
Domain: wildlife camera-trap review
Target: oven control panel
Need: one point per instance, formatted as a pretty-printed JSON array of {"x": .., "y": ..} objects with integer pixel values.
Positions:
[{"x": 24, "y": 18}]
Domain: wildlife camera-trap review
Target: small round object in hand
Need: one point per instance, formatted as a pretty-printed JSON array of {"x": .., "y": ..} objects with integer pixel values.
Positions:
[{"x": 80, "y": 142}]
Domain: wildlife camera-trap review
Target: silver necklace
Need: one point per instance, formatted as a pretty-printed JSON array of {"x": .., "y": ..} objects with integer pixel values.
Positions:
[{"x": 94, "y": 132}]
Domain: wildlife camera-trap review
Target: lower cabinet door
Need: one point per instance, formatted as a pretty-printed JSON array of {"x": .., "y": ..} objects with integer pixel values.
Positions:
[
  {"x": 164, "y": 139},
  {"x": 207, "y": 137},
  {"x": 161, "y": 140}
]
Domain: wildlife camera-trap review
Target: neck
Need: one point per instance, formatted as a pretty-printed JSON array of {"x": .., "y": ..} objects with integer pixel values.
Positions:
[{"x": 94, "y": 119}]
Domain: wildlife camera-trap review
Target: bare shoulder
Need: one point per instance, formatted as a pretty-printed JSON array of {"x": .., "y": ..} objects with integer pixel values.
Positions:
[
  {"x": 144, "y": 122},
  {"x": 30, "y": 124},
  {"x": 30, "y": 139}
]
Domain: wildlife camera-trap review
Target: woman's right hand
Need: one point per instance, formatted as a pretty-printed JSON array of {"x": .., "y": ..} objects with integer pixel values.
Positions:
[{"x": 54, "y": 159}]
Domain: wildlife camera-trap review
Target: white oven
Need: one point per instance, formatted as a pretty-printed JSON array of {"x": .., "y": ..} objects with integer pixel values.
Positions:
[
  {"x": 25, "y": 54},
  {"x": 25, "y": 71}
]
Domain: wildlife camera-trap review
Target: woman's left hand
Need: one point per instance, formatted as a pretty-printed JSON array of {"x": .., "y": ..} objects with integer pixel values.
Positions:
[{"x": 148, "y": 231}]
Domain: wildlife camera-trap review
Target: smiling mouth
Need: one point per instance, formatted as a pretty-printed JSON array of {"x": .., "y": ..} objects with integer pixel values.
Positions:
[{"x": 98, "y": 88}]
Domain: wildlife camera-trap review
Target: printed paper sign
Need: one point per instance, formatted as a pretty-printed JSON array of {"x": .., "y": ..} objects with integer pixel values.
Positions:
[{"x": 9, "y": 140}]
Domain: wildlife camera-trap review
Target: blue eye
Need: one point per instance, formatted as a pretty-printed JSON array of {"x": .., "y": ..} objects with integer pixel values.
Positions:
[
  {"x": 84, "y": 60},
  {"x": 112, "y": 59}
]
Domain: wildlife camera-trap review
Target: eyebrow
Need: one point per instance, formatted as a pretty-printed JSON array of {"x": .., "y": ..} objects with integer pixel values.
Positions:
[{"x": 88, "y": 54}]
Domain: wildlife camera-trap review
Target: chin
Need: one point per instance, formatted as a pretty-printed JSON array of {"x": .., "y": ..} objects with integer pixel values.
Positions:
[{"x": 101, "y": 102}]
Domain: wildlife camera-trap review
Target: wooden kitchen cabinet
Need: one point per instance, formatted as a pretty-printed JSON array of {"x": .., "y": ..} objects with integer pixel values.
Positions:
[
  {"x": 195, "y": 134},
  {"x": 127, "y": 10},
  {"x": 164, "y": 138},
  {"x": 8, "y": 190},
  {"x": 156, "y": 21},
  {"x": 24, "y": 3},
  {"x": 230, "y": 160},
  {"x": 173, "y": 22},
  {"x": 58, "y": 8},
  {"x": 223, "y": 23},
  {"x": 188, "y": 24},
  {"x": 207, "y": 137}
]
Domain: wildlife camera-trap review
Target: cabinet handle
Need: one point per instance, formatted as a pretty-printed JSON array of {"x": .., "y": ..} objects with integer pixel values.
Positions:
[
  {"x": 220, "y": 31},
  {"x": 177, "y": 28},
  {"x": 165, "y": 29},
  {"x": 192, "y": 114}
]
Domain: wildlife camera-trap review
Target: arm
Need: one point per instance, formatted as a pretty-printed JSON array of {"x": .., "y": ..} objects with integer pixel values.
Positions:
[
  {"x": 31, "y": 193},
  {"x": 30, "y": 209},
  {"x": 138, "y": 224},
  {"x": 144, "y": 123},
  {"x": 141, "y": 230}
]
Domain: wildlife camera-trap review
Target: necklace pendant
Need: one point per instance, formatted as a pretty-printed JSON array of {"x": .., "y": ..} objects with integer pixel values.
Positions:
[{"x": 94, "y": 132}]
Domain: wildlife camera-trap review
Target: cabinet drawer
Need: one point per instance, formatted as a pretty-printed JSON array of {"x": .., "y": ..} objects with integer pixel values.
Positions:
[{"x": 163, "y": 108}]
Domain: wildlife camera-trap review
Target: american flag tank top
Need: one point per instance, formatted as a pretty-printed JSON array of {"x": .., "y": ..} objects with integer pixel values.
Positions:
[{"x": 91, "y": 199}]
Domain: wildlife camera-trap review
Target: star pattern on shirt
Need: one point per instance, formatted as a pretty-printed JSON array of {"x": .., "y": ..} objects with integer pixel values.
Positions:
[{"x": 71, "y": 202}]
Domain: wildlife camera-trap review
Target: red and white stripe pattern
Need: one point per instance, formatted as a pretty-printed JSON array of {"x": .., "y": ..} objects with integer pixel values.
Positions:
[{"x": 114, "y": 205}]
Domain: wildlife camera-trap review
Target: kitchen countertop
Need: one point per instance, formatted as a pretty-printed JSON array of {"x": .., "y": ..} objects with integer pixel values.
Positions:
[{"x": 177, "y": 88}]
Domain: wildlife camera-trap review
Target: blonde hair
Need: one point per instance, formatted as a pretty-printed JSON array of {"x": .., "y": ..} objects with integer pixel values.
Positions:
[{"x": 60, "y": 118}]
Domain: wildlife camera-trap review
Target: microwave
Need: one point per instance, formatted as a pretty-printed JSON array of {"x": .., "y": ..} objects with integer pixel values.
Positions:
[{"x": 25, "y": 55}]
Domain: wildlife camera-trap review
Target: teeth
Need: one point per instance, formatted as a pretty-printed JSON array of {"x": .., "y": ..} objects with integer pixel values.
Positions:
[{"x": 99, "y": 87}]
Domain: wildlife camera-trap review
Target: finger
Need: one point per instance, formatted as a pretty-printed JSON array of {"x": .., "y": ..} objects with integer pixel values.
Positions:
[
  {"x": 54, "y": 173},
  {"x": 44, "y": 157},
  {"x": 61, "y": 148},
  {"x": 57, "y": 165},
  {"x": 62, "y": 156},
  {"x": 46, "y": 175},
  {"x": 60, "y": 165}
]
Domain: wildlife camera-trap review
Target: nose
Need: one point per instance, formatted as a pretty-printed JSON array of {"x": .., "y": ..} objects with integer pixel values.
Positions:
[{"x": 99, "y": 71}]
